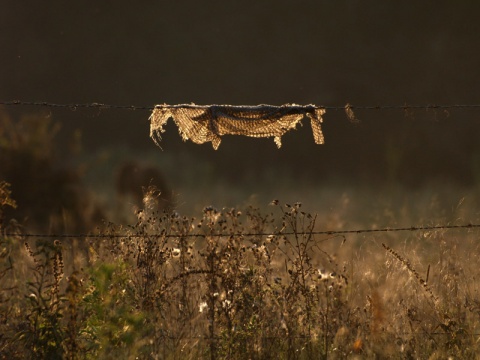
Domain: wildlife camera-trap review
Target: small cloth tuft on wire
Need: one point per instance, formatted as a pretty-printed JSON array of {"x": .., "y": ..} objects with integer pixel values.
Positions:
[{"x": 207, "y": 123}]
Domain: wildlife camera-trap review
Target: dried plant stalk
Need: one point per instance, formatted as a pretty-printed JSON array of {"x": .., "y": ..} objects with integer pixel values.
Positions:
[
  {"x": 414, "y": 272},
  {"x": 208, "y": 123}
]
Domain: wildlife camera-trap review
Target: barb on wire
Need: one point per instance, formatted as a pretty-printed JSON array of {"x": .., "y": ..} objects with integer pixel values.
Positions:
[{"x": 324, "y": 232}]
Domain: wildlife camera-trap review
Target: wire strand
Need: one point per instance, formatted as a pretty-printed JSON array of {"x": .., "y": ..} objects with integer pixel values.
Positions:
[
  {"x": 74, "y": 106},
  {"x": 325, "y": 232},
  {"x": 305, "y": 337}
]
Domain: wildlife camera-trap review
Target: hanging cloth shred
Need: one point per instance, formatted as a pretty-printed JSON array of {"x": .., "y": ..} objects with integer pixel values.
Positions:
[{"x": 204, "y": 123}]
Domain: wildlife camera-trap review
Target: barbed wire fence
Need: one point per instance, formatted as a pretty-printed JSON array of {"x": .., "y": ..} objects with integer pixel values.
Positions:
[
  {"x": 96, "y": 105},
  {"x": 280, "y": 233},
  {"x": 334, "y": 233},
  {"x": 348, "y": 108},
  {"x": 208, "y": 123}
]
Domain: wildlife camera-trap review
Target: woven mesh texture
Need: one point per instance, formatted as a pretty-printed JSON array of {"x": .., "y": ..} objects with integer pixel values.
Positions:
[{"x": 202, "y": 124}]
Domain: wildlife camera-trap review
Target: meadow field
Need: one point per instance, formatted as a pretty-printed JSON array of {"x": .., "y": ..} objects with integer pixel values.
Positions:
[
  {"x": 266, "y": 272},
  {"x": 358, "y": 238}
]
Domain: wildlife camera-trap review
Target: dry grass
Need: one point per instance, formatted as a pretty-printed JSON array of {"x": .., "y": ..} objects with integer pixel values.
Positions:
[{"x": 178, "y": 287}]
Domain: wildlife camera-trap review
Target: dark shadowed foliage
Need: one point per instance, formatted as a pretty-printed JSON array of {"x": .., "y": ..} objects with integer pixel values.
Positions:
[{"x": 50, "y": 196}]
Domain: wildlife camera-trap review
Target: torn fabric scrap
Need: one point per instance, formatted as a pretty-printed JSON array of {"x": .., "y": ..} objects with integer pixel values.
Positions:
[{"x": 208, "y": 123}]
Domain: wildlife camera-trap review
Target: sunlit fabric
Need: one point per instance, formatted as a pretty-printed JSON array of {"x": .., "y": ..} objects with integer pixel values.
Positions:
[{"x": 208, "y": 123}]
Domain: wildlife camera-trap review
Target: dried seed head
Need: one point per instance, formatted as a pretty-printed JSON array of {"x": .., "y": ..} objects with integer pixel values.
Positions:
[{"x": 202, "y": 307}]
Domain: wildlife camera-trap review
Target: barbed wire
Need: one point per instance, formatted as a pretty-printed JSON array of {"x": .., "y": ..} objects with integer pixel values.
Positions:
[
  {"x": 280, "y": 233},
  {"x": 304, "y": 337},
  {"x": 76, "y": 105},
  {"x": 96, "y": 105}
]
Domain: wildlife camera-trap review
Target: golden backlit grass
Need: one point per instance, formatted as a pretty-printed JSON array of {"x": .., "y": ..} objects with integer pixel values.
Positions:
[{"x": 171, "y": 287}]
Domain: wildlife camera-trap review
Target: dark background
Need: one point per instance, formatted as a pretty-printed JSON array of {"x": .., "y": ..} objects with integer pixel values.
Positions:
[{"x": 250, "y": 52}]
